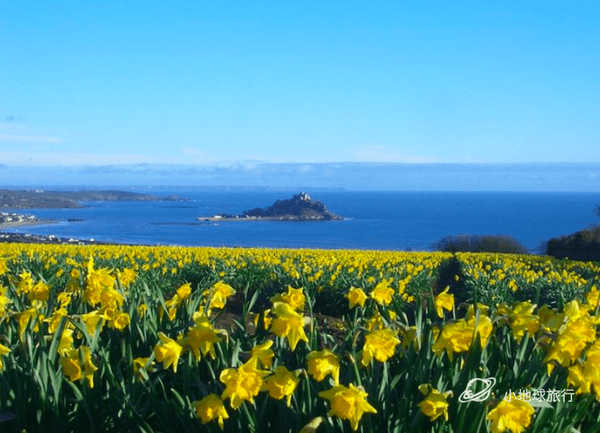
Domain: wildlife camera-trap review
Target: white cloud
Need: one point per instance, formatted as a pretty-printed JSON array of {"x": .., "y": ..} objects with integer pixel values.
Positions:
[
  {"x": 193, "y": 154},
  {"x": 18, "y": 138},
  {"x": 14, "y": 132},
  {"x": 43, "y": 157},
  {"x": 47, "y": 159}
]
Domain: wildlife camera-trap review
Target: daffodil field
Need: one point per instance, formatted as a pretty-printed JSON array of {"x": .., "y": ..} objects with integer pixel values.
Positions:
[{"x": 157, "y": 339}]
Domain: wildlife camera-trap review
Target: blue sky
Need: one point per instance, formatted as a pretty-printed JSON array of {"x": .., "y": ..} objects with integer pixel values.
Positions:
[{"x": 205, "y": 82}]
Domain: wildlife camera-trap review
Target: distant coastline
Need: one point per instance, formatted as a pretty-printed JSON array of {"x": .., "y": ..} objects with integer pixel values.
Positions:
[
  {"x": 43, "y": 199},
  {"x": 36, "y": 222}
]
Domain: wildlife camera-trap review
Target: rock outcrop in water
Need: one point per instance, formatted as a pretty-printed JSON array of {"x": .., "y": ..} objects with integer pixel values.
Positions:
[{"x": 301, "y": 207}]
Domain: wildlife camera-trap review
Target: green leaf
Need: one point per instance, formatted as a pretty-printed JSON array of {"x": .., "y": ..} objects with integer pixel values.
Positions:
[{"x": 56, "y": 340}]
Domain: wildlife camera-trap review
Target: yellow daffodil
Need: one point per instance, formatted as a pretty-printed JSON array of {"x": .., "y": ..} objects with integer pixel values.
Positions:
[
  {"x": 502, "y": 313},
  {"x": 443, "y": 301},
  {"x": 219, "y": 293},
  {"x": 482, "y": 326},
  {"x": 514, "y": 415},
  {"x": 323, "y": 363},
  {"x": 141, "y": 310},
  {"x": 184, "y": 291},
  {"x": 375, "y": 322},
  {"x": 435, "y": 403},
  {"x": 356, "y": 296},
  {"x": 593, "y": 297},
  {"x": 4, "y": 300},
  {"x": 211, "y": 408},
  {"x": 77, "y": 364},
  {"x": 382, "y": 293},
  {"x": 40, "y": 291},
  {"x": 571, "y": 341},
  {"x": 522, "y": 319},
  {"x": 574, "y": 310},
  {"x": 23, "y": 319},
  {"x": 455, "y": 337},
  {"x": 586, "y": 377},
  {"x": 409, "y": 335},
  {"x": 141, "y": 364},
  {"x": 70, "y": 364},
  {"x": 264, "y": 353},
  {"x": 120, "y": 321},
  {"x": 348, "y": 403},
  {"x": 25, "y": 282},
  {"x": 88, "y": 367},
  {"x": 167, "y": 352},
  {"x": 74, "y": 283},
  {"x": 66, "y": 342},
  {"x": 126, "y": 277},
  {"x": 242, "y": 384},
  {"x": 202, "y": 337},
  {"x": 288, "y": 324},
  {"x": 54, "y": 320},
  {"x": 64, "y": 299},
  {"x": 281, "y": 384},
  {"x": 92, "y": 320},
  {"x": 379, "y": 345},
  {"x": 550, "y": 319},
  {"x": 294, "y": 298},
  {"x": 97, "y": 281},
  {"x": 266, "y": 318},
  {"x": 110, "y": 298},
  {"x": 3, "y": 352}
]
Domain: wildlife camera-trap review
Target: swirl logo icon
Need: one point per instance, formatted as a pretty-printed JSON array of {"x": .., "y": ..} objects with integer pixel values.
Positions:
[{"x": 477, "y": 390}]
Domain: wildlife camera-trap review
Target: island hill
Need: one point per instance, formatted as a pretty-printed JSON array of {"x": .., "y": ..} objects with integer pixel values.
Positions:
[
  {"x": 38, "y": 199},
  {"x": 299, "y": 208}
]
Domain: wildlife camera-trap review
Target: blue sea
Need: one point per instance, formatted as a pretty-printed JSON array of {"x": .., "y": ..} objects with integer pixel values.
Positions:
[{"x": 373, "y": 220}]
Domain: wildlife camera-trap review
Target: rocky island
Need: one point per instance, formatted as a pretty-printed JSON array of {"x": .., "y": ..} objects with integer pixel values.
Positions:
[{"x": 301, "y": 207}]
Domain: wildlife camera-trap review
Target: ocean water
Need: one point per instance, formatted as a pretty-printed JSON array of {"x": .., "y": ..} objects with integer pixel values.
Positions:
[{"x": 373, "y": 220}]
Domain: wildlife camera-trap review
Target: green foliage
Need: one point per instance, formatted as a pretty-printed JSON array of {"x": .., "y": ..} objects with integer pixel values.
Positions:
[
  {"x": 583, "y": 245},
  {"x": 481, "y": 244}
]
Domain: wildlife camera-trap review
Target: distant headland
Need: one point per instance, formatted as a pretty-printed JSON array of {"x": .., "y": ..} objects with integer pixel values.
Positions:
[
  {"x": 301, "y": 207},
  {"x": 38, "y": 199}
]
